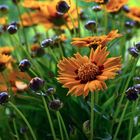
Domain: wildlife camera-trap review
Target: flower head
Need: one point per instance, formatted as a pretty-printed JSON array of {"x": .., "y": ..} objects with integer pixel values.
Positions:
[
  {"x": 98, "y": 1},
  {"x": 47, "y": 15},
  {"x": 4, "y": 60},
  {"x": 134, "y": 13},
  {"x": 115, "y": 5},
  {"x": 81, "y": 74},
  {"x": 95, "y": 41},
  {"x": 6, "y": 50}
]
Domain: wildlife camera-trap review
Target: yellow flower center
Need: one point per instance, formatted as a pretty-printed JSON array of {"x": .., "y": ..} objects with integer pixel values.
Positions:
[{"x": 88, "y": 72}]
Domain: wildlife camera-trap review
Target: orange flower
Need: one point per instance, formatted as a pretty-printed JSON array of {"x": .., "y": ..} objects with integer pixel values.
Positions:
[
  {"x": 6, "y": 50},
  {"x": 95, "y": 41},
  {"x": 3, "y": 20},
  {"x": 47, "y": 15},
  {"x": 4, "y": 61},
  {"x": 97, "y": 1},
  {"x": 81, "y": 74},
  {"x": 134, "y": 13},
  {"x": 17, "y": 81},
  {"x": 115, "y": 5},
  {"x": 111, "y": 5}
]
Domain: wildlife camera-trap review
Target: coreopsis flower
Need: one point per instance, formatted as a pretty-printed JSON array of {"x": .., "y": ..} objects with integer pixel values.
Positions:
[
  {"x": 111, "y": 5},
  {"x": 81, "y": 74},
  {"x": 3, "y": 20},
  {"x": 115, "y": 5},
  {"x": 37, "y": 51},
  {"x": 98, "y": 1},
  {"x": 95, "y": 41},
  {"x": 4, "y": 61},
  {"x": 46, "y": 14},
  {"x": 6, "y": 50},
  {"x": 17, "y": 81},
  {"x": 134, "y": 13}
]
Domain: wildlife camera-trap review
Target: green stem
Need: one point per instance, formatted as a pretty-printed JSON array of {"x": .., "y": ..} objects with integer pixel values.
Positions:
[
  {"x": 49, "y": 118},
  {"x": 92, "y": 116},
  {"x": 25, "y": 120},
  {"x": 123, "y": 93},
  {"x": 134, "y": 105},
  {"x": 62, "y": 121},
  {"x": 121, "y": 119},
  {"x": 24, "y": 34},
  {"x": 63, "y": 125},
  {"x": 79, "y": 26},
  {"x": 15, "y": 128},
  {"x": 60, "y": 127},
  {"x": 26, "y": 137}
]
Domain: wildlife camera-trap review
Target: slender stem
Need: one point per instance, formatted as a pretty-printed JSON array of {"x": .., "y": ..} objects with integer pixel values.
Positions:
[
  {"x": 64, "y": 127},
  {"x": 26, "y": 137},
  {"x": 79, "y": 26},
  {"x": 92, "y": 116},
  {"x": 53, "y": 55},
  {"x": 15, "y": 128},
  {"x": 123, "y": 93},
  {"x": 62, "y": 122},
  {"x": 121, "y": 119},
  {"x": 49, "y": 118},
  {"x": 60, "y": 127},
  {"x": 24, "y": 34},
  {"x": 72, "y": 20},
  {"x": 105, "y": 19},
  {"x": 25, "y": 120},
  {"x": 134, "y": 105}
]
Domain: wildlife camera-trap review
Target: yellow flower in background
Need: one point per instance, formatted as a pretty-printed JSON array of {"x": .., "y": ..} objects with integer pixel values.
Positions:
[
  {"x": 111, "y": 5},
  {"x": 3, "y": 20},
  {"x": 46, "y": 14},
  {"x": 95, "y": 41},
  {"x": 6, "y": 50},
  {"x": 115, "y": 5},
  {"x": 17, "y": 81},
  {"x": 81, "y": 74},
  {"x": 134, "y": 13},
  {"x": 97, "y": 1},
  {"x": 4, "y": 61}
]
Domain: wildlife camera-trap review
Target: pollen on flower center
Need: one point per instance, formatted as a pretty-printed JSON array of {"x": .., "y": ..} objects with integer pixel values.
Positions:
[{"x": 88, "y": 72}]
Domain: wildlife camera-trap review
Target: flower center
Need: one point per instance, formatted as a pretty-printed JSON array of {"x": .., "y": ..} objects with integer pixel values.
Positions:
[{"x": 88, "y": 72}]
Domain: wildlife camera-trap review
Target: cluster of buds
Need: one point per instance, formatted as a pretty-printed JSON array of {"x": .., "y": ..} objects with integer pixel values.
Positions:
[{"x": 134, "y": 51}]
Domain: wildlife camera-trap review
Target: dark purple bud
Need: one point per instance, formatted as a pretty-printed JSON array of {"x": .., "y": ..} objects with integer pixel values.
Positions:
[
  {"x": 62, "y": 7},
  {"x": 47, "y": 43},
  {"x": 90, "y": 25},
  {"x": 96, "y": 8},
  {"x": 132, "y": 94},
  {"x": 12, "y": 29},
  {"x": 55, "y": 105},
  {"x": 138, "y": 46},
  {"x": 133, "y": 51},
  {"x": 4, "y": 97},
  {"x": 24, "y": 65},
  {"x": 36, "y": 84}
]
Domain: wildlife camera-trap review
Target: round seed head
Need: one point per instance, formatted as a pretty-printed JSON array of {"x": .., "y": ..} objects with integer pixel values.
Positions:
[
  {"x": 62, "y": 7},
  {"x": 47, "y": 43},
  {"x": 4, "y": 97},
  {"x": 24, "y": 65},
  {"x": 133, "y": 51},
  {"x": 12, "y": 29},
  {"x": 55, "y": 105},
  {"x": 36, "y": 84}
]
